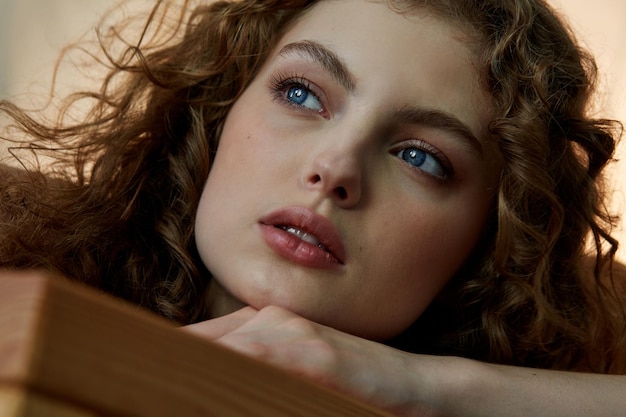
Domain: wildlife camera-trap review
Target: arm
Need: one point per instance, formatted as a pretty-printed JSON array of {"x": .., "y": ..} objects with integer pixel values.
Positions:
[
  {"x": 495, "y": 390},
  {"x": 408, "y": 384}
]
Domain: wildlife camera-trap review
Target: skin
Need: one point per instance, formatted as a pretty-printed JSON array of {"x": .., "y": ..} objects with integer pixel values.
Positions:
[
  {"x": 339, "y": 158},
  {"x": 343, "y": 147},
  {"x": 407, "y": 384}
]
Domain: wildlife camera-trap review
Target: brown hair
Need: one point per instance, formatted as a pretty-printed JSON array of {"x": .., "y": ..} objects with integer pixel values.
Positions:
[
  {"x": 118, "y": 209},
  {"x": 529, "y": 300},
  {"x": 121, "y": 216}
]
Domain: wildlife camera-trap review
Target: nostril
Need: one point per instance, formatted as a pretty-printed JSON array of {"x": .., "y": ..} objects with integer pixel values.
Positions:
[
  {"x": 315, "y": 179},
  {"x": 341, "y": 193}
]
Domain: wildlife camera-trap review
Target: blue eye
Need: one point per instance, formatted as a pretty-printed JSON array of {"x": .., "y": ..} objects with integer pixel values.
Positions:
[
  {"x": 302, "y": 96},
  {"x": 423, "y": 160}
]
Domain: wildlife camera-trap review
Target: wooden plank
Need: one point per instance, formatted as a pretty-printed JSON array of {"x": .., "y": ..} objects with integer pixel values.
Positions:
[
  {"x": 65, "y": 341},
  {"x": 16, "y": 402}
]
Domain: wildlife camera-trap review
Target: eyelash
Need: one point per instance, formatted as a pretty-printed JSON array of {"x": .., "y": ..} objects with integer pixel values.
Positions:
[
  {"x": 281, "y": 83},
  {"x": 435, "y": 153}
]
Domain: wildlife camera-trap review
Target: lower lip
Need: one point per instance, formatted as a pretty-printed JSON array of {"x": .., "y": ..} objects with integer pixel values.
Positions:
[{"x": 296, "y": 250}]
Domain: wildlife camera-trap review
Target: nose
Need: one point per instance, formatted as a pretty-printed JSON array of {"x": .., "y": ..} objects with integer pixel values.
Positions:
[{"x": 337, "y": 174}]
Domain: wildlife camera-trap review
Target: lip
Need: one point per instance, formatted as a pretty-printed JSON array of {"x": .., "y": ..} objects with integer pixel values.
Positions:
[{"x": 287, "y": 245}]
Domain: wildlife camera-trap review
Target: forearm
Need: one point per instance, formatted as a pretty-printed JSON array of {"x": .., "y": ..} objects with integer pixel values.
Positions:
[
  {"x": 410, "y": 385},
  {"x": 468, "y": 388}
]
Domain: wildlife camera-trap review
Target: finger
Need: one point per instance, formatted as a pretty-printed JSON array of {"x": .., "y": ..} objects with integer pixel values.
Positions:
[{"x": 218, "y": 327}]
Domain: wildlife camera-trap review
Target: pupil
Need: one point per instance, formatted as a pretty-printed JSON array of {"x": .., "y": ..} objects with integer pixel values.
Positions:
[
  {"x": 297, "y": 95},
  {"x": 415, "y": 156}
]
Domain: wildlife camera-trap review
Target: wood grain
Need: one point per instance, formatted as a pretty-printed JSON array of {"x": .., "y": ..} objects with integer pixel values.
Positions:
[
  {"x": 16, "y": 402},
  {"x": 70, "y": 345}
]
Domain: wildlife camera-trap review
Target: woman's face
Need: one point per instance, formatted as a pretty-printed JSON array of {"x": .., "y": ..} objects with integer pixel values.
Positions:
[{"x": 352, "y": 179}]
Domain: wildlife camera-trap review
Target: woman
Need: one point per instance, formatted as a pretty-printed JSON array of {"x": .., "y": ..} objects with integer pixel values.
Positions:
[{"x": 422, "y": 174}]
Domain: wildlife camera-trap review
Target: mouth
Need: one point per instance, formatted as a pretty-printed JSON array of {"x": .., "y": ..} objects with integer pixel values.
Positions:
[
  {"x": 303, "y": 236},
  {"x": 300, "y": 234}
]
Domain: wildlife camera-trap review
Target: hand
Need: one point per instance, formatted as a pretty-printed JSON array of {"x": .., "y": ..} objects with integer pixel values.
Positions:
[
  {"x": 408, "y": 384},
  {"x": 370, "y": 371}
]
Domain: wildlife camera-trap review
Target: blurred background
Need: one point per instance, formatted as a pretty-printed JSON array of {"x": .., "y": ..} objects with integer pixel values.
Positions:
[{"x": 32, "y": 33}]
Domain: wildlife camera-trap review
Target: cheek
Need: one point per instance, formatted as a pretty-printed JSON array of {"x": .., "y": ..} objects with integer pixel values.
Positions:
[
  {"x": 219, "y": 195},
  {"x": 434, "y": 244}
]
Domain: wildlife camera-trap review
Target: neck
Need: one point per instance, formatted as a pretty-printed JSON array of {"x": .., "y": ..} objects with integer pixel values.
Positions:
[{"x": 221, "y": 302}]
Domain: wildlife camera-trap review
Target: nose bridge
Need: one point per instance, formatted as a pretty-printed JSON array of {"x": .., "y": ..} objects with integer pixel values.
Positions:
[
  {"x": 340, "y": 159},
  {"x": 336, "y": 168}
]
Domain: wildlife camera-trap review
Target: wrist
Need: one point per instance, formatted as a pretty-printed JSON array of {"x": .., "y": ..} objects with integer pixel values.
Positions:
[{"x": 452, "y": 386}]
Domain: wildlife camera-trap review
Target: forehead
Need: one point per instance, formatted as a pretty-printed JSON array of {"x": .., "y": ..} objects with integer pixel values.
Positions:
[
  {"x": 413, "y": 46},
  {"x": 347, "y": 13}
]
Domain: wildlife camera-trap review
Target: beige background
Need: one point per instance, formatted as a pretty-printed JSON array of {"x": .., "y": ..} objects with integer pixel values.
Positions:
[{"x": 33, "y": 31}]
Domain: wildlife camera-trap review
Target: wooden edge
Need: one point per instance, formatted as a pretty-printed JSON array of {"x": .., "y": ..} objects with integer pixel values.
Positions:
[
  {"x": 75, "y": 344},
  {"x": 21, "y": 296},
  {"x": 16, "y": 402}
]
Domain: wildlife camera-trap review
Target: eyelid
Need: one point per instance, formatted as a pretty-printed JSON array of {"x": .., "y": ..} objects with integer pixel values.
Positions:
[
  {"x": 280, "y": 82},
  {"x": 432, "y": 150}
]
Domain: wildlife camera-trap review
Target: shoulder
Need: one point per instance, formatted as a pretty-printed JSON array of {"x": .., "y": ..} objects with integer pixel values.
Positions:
[
  {"x": 15, "y": 182},
  {"x": 611, "y": 333},
  {"x": 10, "y": 175},
  {"x": 619, "y": 281},
  {"x": 21, "y": 189}
]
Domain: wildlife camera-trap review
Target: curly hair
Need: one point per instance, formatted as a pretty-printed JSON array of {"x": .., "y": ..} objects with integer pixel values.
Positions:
[
  {"x": 528, "y": 299},
  {"x": 121, "y": 217},
  {"x": 117, "y": 208}
]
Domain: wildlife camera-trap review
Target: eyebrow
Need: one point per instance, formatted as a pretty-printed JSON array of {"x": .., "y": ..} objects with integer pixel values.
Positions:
[
  {"x": 324, "y": 57},
  {"x": 331, "y": 62},
  {"x": 442, "y": 121}
]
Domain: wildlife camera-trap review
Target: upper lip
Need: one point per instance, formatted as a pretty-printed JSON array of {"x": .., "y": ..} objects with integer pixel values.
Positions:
[{"x": 310, "y": 222}]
